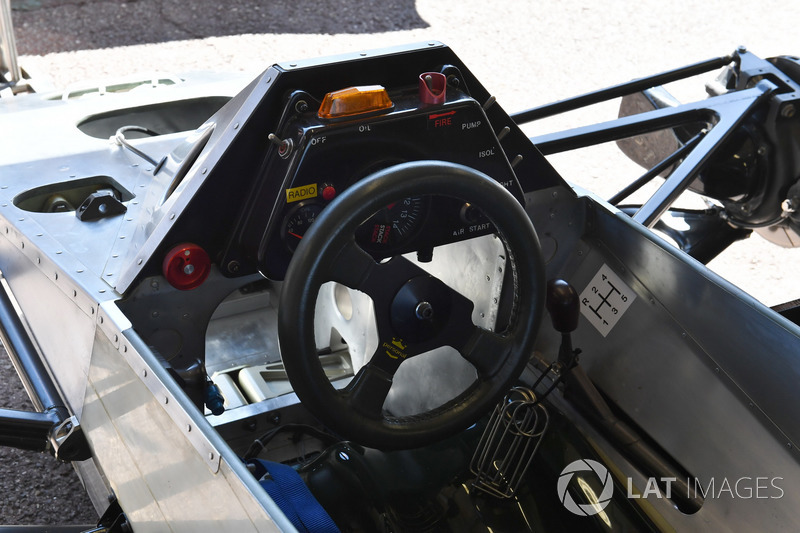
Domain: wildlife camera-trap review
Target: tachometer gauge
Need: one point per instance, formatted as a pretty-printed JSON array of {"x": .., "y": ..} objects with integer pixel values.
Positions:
[
  {"x": 394, "y": 225},
  {"x": 298, "y": 221}
]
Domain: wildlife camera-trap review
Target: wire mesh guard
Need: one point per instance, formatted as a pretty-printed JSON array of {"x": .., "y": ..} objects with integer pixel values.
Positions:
[{"x": 509, "y": 443}]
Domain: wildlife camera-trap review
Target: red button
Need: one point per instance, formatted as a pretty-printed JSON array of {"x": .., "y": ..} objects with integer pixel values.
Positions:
[{"x": 328, "y": 193}]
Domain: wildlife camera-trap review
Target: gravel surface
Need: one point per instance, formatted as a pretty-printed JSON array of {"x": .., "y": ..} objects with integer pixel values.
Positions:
[{"x": 526, "y": 53}]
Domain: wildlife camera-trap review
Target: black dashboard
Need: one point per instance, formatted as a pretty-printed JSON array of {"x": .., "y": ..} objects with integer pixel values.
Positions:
[
  {"x": 330, "y": 155},
  {"x": 319, "y": 128}
]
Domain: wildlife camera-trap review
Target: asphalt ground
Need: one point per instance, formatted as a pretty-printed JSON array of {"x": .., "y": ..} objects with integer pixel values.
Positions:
[{"x": 526, "y": 53}]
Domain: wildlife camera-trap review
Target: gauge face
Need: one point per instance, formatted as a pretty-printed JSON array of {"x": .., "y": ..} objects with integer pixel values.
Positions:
[
  {"x": 394, "y": 225},
  {"x": 297, "y": 223}
]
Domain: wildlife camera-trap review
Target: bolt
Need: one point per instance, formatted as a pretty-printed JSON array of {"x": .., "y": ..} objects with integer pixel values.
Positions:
[
  {"x": 741, "y": 49},
  {"x": 761, "y": 150},
  {"x": 233, "y": 267},
  {"x": 301, "y": 106},
  {"x": 424, "y": 311},
  {"x": 788, "y": 111},
  {"x": 188, "y": 269}
]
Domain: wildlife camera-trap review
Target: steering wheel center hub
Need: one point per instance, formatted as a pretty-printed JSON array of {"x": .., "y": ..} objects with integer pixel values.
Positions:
[{"x": 420, "y": 309}]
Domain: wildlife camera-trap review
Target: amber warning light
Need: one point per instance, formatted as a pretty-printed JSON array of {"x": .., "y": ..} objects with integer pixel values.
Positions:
[{"x": 354, "y": 101}]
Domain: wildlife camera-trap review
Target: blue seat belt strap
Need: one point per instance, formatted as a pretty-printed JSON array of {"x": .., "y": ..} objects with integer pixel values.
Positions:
[{"x": 287, "y": 489}]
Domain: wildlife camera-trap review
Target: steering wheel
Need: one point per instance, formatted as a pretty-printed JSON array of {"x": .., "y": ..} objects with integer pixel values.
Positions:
[{"x": 414, "y": 311}]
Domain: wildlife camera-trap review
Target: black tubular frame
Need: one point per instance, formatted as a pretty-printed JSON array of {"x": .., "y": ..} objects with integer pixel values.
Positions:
[
  {"x": 28, "y": 430},
  {"x": 721, "y": 114}
]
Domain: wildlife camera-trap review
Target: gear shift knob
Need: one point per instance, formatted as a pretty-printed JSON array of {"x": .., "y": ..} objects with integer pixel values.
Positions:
[{"x": 563, "y": 306}]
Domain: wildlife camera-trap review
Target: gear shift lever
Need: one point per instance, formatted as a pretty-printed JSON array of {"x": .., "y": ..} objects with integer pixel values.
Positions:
[{"x": 564, "y": 308}]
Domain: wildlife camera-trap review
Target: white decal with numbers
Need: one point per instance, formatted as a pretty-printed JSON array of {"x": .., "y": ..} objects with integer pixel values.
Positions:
[{"x": 605, "y": 299}]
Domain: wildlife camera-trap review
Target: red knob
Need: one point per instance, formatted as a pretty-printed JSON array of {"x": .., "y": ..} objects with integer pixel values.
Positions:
[{"x": 186, "y": 266}]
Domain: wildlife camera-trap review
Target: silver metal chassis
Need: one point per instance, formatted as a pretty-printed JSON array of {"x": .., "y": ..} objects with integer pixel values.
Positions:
[{"x": 704, "y": 369}]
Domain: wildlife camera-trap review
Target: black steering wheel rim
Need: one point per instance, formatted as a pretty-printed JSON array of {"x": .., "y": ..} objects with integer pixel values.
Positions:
[{"x": 330, "y": 242}]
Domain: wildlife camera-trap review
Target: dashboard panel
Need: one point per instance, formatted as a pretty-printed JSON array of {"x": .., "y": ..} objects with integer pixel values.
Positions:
[
  {"x": 320, "y": 158},
  {"x": 284, "y": 157}
]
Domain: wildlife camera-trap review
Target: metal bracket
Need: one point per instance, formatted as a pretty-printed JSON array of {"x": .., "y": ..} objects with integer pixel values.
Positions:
[
  {"x": 100, "y": 204},
  {"x": 68, "y": 441}
]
